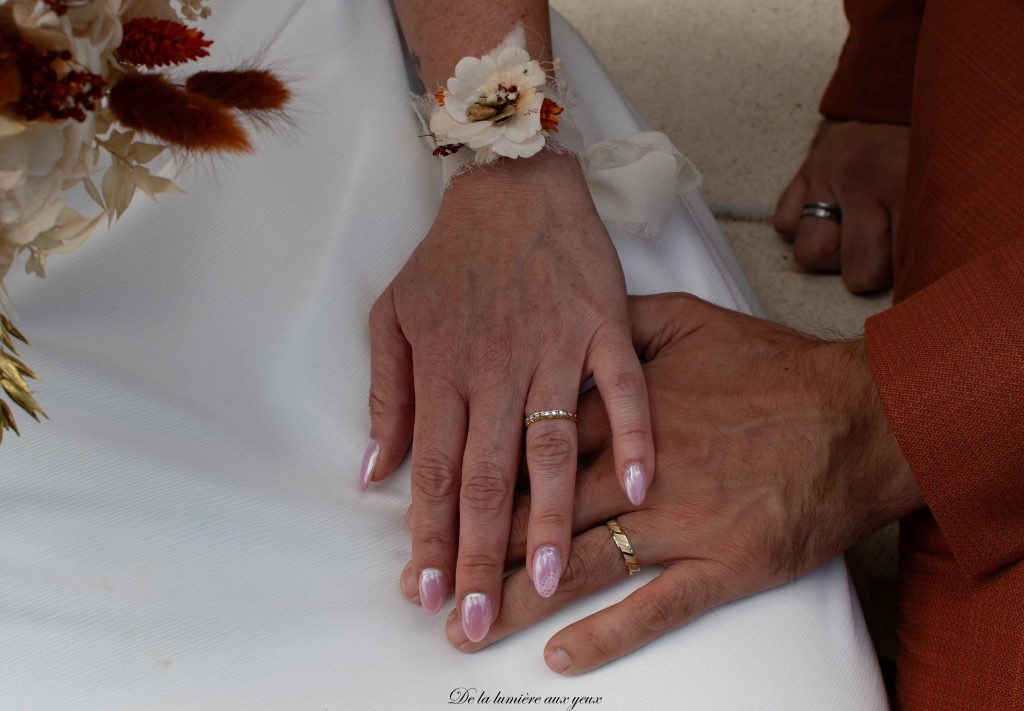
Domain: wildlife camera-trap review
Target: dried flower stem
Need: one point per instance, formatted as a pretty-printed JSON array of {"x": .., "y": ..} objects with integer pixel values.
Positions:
[{"x": 13, "y": 375}]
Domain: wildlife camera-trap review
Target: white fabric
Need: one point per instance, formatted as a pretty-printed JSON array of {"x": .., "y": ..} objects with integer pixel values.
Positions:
[
  {"x": 635, "y": 181},
  {"x": 186, "y": 531}
]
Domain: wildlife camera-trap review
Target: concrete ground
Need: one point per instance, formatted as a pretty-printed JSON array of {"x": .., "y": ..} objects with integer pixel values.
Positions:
[{"x": 735, "y": 84}]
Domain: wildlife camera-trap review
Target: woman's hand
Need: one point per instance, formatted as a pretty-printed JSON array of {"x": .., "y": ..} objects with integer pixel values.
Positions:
[
  {"x": 773, "y": 455},
  {"x": 861, "y": 168},
  {"x": 514, "y": 298}
]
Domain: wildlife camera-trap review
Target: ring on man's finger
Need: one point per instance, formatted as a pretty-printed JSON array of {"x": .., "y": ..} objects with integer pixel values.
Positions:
[
  {"x": 624, "y": 546},
  {"x": 822, "y": 210}
]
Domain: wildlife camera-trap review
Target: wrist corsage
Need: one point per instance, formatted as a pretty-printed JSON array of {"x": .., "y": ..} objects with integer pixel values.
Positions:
[{"x": 499, "y": 105}]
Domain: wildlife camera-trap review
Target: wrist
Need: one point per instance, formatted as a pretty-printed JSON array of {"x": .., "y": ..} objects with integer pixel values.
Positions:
[
  {"x": 546, "y": 179},
  {"x": 882, "y": 486}
]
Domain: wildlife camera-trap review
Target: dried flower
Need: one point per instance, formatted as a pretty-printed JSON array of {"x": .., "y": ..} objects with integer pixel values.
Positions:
[
  {"x": 151, "y": 42},
  {"x": 494, "y": 102},
  {"x": 549, "y": 113},
  {"x": 447, "y": 149},
  {"x": 50, "y": 87},
  {"x": 13, "y": 375},
  {"x": 245, "y": 90},
  {"x": 151, "y": 104}
]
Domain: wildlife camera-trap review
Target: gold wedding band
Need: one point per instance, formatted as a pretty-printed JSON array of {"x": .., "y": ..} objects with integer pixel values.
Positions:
[
  {"x": 624, "y": 546},
  {"x": 549, "y": 415}
]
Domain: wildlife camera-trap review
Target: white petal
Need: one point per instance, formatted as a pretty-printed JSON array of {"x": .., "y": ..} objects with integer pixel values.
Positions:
[
  {"x": 457, "y": 107},
  {"x": 510, "y": 149},
  {"x": 526, "y": 121},
  {"x": 510, "y": 58},
  {"x": 488, "y": 135},
  {"x": 533, "y": 75}
]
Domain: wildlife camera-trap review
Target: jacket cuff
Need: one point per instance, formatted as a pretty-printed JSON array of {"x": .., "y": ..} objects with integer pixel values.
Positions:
[{"x": 949, "y": 366}]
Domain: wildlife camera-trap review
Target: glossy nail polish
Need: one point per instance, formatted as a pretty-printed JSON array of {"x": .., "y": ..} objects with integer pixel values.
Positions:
[
  {"x": 369, "y": 462},
  {"x": 547, "y": 569},
  {"x": 636, "y": 483},
  {"x": 433, "y": 589},
  {"x": 477, "y": 613}
]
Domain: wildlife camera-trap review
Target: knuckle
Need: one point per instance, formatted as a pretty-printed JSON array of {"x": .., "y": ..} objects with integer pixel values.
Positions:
[
  {"x": 486, "y": 488},
  {"x": 582, "y": 564},
  {"x": 435, "y": 477},
  {"x": 552, "y": 448},
  {"x": 655, "y": 614},
  {"x": 624, "y": 386},
  {"x": 815, "y": 253},
  {"x": 599, "y": 646},
  {"x": 478, "y": 564},
  {"x": 551, "y": 518},
  {"x": 630, "y": 435},
  {"x": 431, "y": 541}
]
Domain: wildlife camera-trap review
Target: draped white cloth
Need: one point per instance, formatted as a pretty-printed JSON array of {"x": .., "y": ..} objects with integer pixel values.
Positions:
[{"x": 186, "y": 531}]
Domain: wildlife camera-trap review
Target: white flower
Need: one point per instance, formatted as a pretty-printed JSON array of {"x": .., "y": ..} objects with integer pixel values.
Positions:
[
  {"x": 493, "y": 104},
  {"x": 35, "y": 166},
  {"x": 90, "y": 30}
]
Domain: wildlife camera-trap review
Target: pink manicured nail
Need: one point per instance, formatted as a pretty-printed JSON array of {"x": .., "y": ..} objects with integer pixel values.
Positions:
[
  {"x": 636, "y": 483},
  {"x": 433, "y": 589},
  {"x": 557, "y": 660},
  {"x": 547, "y": 569},
  {"x": 369, "y": 462},
  {"x": 477, "y": 612}
]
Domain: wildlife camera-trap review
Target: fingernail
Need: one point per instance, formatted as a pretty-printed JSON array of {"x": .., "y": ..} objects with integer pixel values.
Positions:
[
  {"x": 636, "y": 483},
  {"x": 558, "y": 660},
  {"x": 369, "y": 462},
  {"x": 433, "y": 589},
  {"x": 476, "y": 616},
  {"x": 547, "y": 569}
]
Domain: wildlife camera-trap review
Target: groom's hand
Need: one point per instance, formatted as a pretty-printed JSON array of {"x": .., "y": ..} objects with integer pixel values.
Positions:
[
  {"x": 860, "y": 168},
  {"x": 774, "y": 455}
]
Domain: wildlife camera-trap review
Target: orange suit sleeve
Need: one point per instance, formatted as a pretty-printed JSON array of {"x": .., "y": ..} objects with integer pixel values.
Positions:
[
  {"x": 875, "y": 77},
  {"x": 949, "y": 364}
]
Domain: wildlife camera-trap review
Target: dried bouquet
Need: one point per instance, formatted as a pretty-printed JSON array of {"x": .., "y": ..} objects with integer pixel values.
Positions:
[{"x": 85, "y": 87}]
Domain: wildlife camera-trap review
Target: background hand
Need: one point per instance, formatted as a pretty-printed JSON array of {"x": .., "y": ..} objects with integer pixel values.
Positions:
[
  {"x": 862, "y": 168},
  {"x": 774, "y": 456},
  {"x": 513, "y": 299}
]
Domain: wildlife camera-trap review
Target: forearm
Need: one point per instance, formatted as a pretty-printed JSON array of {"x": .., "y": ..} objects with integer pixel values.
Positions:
[{"x": 439, "y": 34}]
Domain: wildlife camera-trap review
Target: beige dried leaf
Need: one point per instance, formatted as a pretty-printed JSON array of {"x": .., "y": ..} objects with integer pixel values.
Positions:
[
  {"x": 142, "y": 152},
  {"x": 118, "y": 188},
  {"x": 94, "y": 193},
  {"x": 119, "y": 143}
]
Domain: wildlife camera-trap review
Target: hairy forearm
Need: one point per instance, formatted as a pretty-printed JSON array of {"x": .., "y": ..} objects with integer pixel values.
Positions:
[{"x": 439, "y": 34}]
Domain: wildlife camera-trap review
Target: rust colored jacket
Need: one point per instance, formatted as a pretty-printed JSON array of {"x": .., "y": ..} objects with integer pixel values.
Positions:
[{"x": 948, "y": 357}]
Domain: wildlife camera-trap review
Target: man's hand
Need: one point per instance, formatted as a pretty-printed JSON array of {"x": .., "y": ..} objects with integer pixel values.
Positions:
[
  {"x": 774, "y": 455},
  {"x": 510, "y": 303},
  {"x": 861, "y": 168}
]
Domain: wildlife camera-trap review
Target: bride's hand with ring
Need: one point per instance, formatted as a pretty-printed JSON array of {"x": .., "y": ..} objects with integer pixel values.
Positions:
[{"x": 513, "y": 299}]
